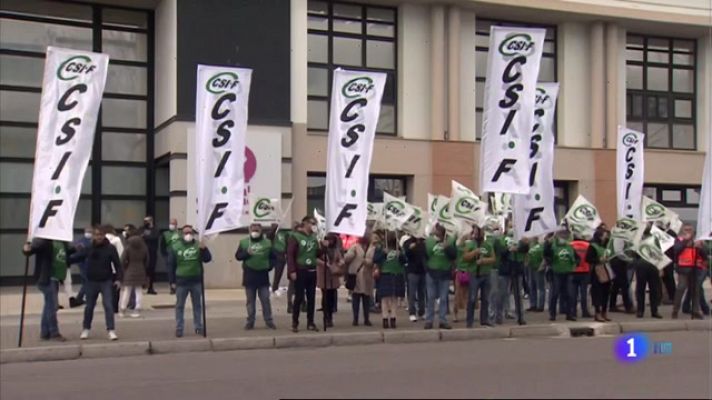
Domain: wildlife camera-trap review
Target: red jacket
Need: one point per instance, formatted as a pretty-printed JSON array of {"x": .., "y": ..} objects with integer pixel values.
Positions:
[{"x": 581, "y": 248}]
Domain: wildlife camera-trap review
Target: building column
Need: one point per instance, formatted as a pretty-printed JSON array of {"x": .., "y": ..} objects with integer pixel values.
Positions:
[
  {"x": 437, "y": 72},
  {"x": 453, "y": 77},
  {"x": 612, "y": 82},
  {"x": 598, "y": 84}
]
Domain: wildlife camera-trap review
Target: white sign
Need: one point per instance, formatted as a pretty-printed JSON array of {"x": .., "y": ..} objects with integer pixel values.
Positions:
[
  {"x": 443, "y": 215},
  {"x": 512, "y": 70},
  {"x": 265, "y": 211},
  {"x": 415, "y": 225},
  {"x": 630, "y": 172},
  {"x": 652, "y": 211},
  {"x": 396, "y": 212},
  {"x": 533, "y": 213},
  {"x": 466, "y": 205},
  {"x": 704, "y": 214},
  {"x": 355, "y": 106},
  {"x": 629, "y": 230},
  {"x": 221, "y": 113},
  {"x": 651, "y": 252},
  {"x": 72, "y": 88},
  {"x": 666, "y": 241},
  {"x": 583, "y": 218}
]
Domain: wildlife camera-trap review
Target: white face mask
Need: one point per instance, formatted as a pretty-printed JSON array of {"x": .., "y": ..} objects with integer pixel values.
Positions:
[
  {"x": 88, "y": 235},
  {"x": 255, "y": 235},
  {"x": 124, "y": 234},
  {"x": 188, "y": 237},
  {"x": 171, "y": 227}
]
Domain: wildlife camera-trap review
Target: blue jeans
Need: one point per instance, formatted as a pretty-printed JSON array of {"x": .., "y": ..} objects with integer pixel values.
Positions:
[
  {"x": 494, "y": 292},
  {"x": 82, "y": 290},
  {"x": 437, "y": 288},
  {"x": 537, "y": 288},
  {"x": 416, "y": 293},
  {"x": 263, "y": 294},
  {"x": 49, "y": 326},
  {"x": 579, "y": 291},
  {"x": 106, "y": 288},
  {"x": 171, "y": 273},
  {"x": 686, "y": 302},
  {"x": 483, "y": 285},
  {"x": 195, "y": 291},
  {"x": 560, "y": 287}
]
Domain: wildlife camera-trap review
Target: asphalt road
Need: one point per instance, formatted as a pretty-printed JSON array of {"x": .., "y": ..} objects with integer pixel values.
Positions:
[{"x": 551, "y": 368}]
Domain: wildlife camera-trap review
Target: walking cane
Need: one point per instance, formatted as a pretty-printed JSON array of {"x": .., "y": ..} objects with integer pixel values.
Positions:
[
  {"x": 202, "y": 300},
  {"x": 24, "y": 297}
]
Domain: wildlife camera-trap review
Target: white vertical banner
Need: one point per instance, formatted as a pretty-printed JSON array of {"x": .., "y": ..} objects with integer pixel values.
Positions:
[
  {"x": 72, "y": 88},
  {"x": 704, "y": 214},
  {"x": 533, "y": 213},
  {"x": 355, "y": 107},
  {"x": 512, "y": 70},
  {"x": 630, "y": 169},
  {"x": 222, "y": 96}
]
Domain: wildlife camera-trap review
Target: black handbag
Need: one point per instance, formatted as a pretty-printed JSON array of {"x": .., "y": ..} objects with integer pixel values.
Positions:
[{"x": 350, "y": 281}]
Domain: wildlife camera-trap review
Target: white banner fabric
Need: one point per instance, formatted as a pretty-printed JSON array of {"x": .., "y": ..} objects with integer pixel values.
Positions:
[{"x": 630, "y": 167}]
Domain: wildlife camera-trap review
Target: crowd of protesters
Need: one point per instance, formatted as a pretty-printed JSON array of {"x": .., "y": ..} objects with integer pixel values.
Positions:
[{"x": 485, "y": 268}]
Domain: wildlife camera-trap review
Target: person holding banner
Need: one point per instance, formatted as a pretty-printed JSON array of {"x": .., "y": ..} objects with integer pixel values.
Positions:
[
  {"x": 302, "y": 252},
  {"x": 691, "y": 257},
  {"x": 390, "y": 269},
  {"x": 619, "y": 263},
  {"x": 43, "y": 250},
  {"x": 597, "y": 258},
  {"x": 187, "y": 263},
  {"x": 563, "y": 259},
  {"x": 440, "y": 253},
  {"x": 482, "y": 256},
  {"x": 256, "y": 255},
  {"x": 580, "y": 278},
  {"x": 511, "y": 268},
  {"x": 278, "y": 237},
  {"x": 465, "y": 266},
  {"x": 537, "y": 276},
  {"x": 82, "y": 245},
  {"x": 168, "y": 238},
  {"x": 104, "y": 272}
]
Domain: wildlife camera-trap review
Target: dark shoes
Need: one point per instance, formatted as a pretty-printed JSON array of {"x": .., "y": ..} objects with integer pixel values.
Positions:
[
  {"x": 428, "y": 326},
  {"x": 249, "y": 326},
  {"x": 522, "y": 322},
  {"x": 55, "y": 338},
  {"x": 445, "y": 326},
  {"x": 151, "y": 291},
  {"x": 312, "y": 327},
  {"x": 385, "y": 323},
  {"x": 573, "y": 319},
  {"x": 657, "y": 316},
  {"x": 393, "y": 323},
  {"x": 367, "y": 323},
  {"x": 74, "y": 302},
  {"x": 271, "y": 325}
]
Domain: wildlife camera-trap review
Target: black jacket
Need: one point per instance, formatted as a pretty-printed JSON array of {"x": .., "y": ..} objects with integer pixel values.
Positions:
[
  {"x": 103, "y": 263},
  {"x": 416, "y": 256},
  {"x": 42, "y": 250},
  {"x": 151, "y": 236}
]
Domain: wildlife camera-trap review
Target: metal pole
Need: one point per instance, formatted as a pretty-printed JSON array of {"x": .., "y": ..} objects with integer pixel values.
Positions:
[
  {"x": 24, "y": 298},
  {"x": 202, "y": 300}
]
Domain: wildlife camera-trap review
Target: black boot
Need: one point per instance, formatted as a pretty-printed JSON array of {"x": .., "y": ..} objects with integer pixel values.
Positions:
[
  {"x": 393, "y": 323},
  {"x": 385, "y": 323}
]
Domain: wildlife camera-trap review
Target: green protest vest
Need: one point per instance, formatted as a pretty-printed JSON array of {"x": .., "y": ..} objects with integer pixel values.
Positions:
[
  {"x": 564, "y": 260},
  {"x": 535, "y": 256},
  {"x": 437, "y": 260},
  {"x": 259, "y": 260},
  {"x": 279, "y": 244},
  {"x": 59, "y": 260},
  {"x": 486, "y": 251},
  {"x": 462, "y": 265},
  {"x": 392, "y": 265},
  {"x": 308, "y": 246},
  {"x": 600, "y": 250},
  {"x": 188, "y": 259},
  {"x": 170, "y": 237}
]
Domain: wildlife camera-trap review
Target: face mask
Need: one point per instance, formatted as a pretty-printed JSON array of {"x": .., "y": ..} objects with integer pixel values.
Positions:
[
  {"x": 255, "y": 235},
  {"x": 88, "y": 235},
  {"x": 171, "y": 227},
  {"x": 124, "y": 234},
  {"x": 188, "y": 237}
]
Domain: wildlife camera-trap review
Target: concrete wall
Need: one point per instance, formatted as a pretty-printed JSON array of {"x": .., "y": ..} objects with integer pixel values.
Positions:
[
  {"x": 468, "y": 128},
  {"x": 166, "y": 73},
  {"x": 574, "y": 104},
  {"x": 414, "y": 71}
]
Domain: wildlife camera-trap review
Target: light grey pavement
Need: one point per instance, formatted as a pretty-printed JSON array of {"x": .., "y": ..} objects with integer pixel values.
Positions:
[
  {"x": 226, "y": 318},
  {"x": 511, "y": 368}
]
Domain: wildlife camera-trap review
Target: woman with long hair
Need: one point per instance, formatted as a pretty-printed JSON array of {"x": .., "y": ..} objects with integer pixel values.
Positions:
[
  {"x": 134, "y": 262},
  {"x": 597, "y": 258}
]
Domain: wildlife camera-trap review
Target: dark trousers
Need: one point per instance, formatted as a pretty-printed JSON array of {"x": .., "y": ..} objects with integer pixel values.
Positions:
[
  {"x": 686, "y": 300},
  {"x": 579, "y": 291},
  {"x": 669, "y": 281},
  {"x": 151, "y": 269},
  {"x": 516, "y": 280},
  {"x": 328, "y": 299},
  {"x": 93, "y": 289},
  {"x": 620, "y": 284},
  {"x": 278, "y": 272},
  {"x": 599, "y": 294},
  {"x": 356, "y": 300},
  {"x": 647, "y": 275},
  {"x": 561, "y": 287},
  {"x": 304, "y": 286},
  {"x": 416, "y": 294}
]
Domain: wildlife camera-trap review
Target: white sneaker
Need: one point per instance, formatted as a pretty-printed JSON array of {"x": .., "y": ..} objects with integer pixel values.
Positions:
[
  {"x": 84, "y": 335},
  {"x": 122, "y": 314},
  {"x": 135, "y": 314},
  {"x": 413, "y": 318},
  {"x": 112, "y": 336},
  {"x": 278, "y": 292}
]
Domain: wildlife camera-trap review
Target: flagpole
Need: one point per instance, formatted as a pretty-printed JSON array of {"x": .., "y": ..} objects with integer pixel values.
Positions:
[
  {"x": 24, "y": 298},
  {"x": 202, "y": 300}
]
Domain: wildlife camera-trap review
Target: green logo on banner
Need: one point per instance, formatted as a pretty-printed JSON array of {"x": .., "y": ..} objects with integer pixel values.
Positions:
[
  {"x": 517, "y": 44},
  {"x": 466, "y": 205},
  {"x": 262, "y": 208},
  {"x": 221, "y": 82},
  {"x": 654, "y": 211},
  {"x": 630, "y": 139},
  {"x": 584, "y": 212},
  {"x": 74, "y": 66},
  {"x": 396, "y": 208},
  {"x": 358, "y": 87}
]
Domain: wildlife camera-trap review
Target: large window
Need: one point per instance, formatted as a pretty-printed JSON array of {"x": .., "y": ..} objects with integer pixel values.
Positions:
[
  {"x": 660, "y": 91},
  {"x": 118, "y": 185},
  {"x": 377, "y": 184},
  {"x": 547, "y": 70},
  {"x": 684, "y": 200},
  {"x": 350, "y": 36}
]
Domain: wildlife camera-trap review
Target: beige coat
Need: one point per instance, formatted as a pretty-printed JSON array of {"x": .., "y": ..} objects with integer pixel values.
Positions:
[
  {"x": 335, "y": 270},
  {"x": 360, "y": 262}
]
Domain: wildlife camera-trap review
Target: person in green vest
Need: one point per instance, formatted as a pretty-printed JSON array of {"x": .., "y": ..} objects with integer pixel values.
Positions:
[
  {"x": 463, "y": 269},
  {"x": 440, "y": 253},
  {"x": 495, "y": 238},
  {"x": 168, "y": 238},
  {"x": 511, "y": 254},
  {"x": 482, "y": 253},
  {"x": 187, "y": 263},
  {"x": 302, "y": 252},
  {"x": 597, "y": 258},
  {"x": 390, "y": 269},
  {"x": 256, "y": 255},
  {"x": 536, "y": 275},
  {"x": 563, "y": 259},
  {"x": 278, "y": 237}
]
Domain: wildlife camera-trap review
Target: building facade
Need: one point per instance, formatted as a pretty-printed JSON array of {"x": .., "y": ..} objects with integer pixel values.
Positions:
[{"x": 647, "y": 64}]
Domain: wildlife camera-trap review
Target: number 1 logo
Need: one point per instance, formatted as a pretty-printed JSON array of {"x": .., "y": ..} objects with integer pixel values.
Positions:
[{"x": 631, "y": 348}]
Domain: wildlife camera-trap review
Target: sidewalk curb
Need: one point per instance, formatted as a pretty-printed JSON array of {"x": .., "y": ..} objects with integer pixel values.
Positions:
[{"x": 315, "y": 340}]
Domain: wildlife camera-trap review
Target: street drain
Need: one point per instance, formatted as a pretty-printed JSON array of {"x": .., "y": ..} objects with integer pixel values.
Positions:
[{"x": 579, "y": 332}]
